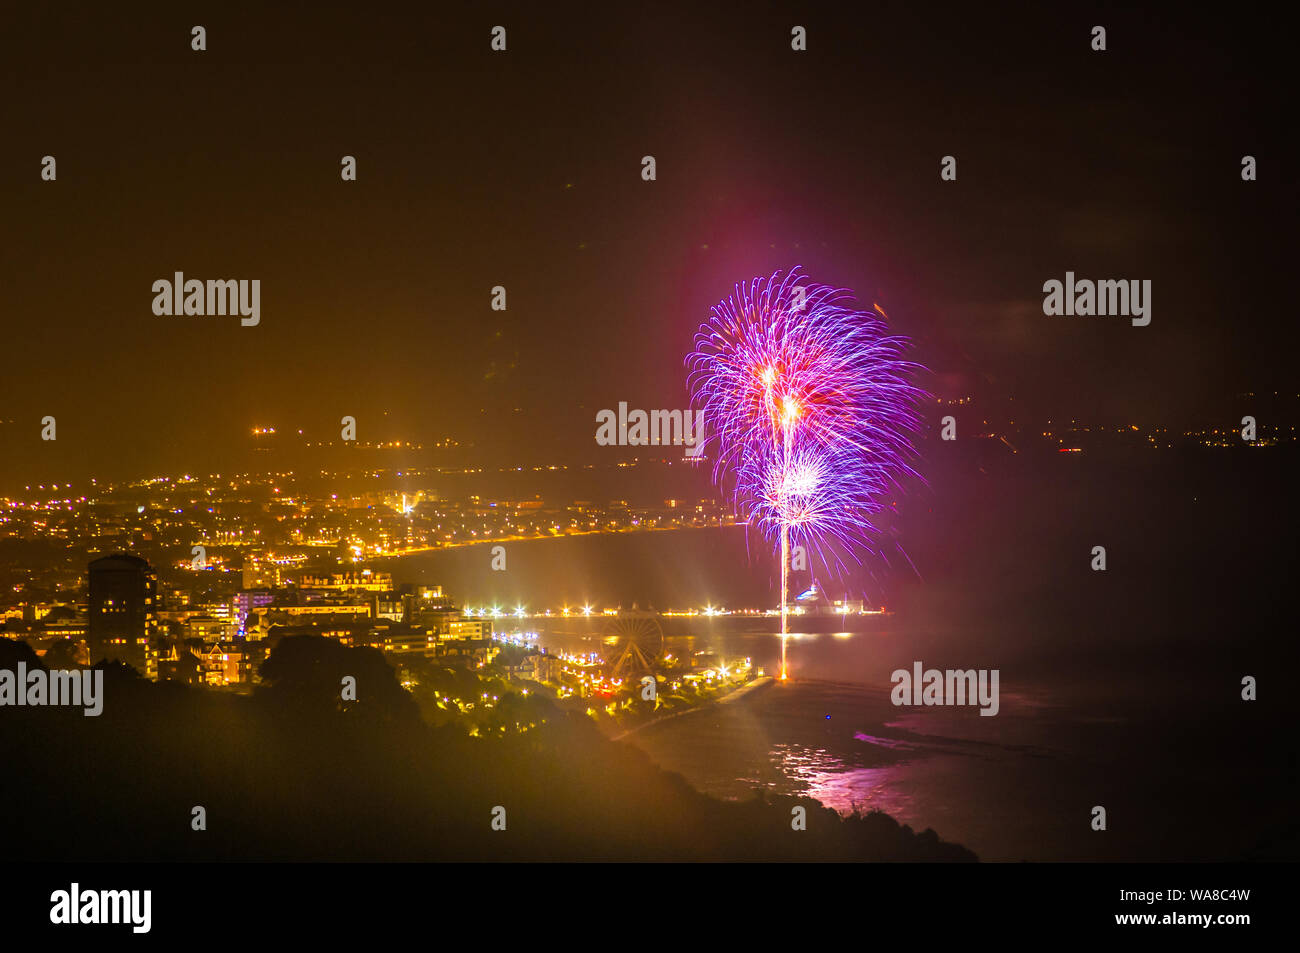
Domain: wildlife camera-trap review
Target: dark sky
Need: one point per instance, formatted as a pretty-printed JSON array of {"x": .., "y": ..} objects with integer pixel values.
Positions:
[{"x": 523, "y": 169}]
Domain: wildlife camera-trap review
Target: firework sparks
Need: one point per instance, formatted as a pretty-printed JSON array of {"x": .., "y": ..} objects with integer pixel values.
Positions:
[{"x": 811, "y": 412}]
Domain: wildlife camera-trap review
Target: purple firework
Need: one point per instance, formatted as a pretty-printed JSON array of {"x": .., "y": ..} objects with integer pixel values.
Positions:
[{"x": 809, "y": 411}]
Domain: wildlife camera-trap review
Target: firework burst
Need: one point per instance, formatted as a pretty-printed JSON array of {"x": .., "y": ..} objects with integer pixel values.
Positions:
[{"x": 810, "y": 412}]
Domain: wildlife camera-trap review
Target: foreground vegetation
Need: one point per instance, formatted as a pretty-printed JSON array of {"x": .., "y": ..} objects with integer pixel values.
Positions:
[{"x": 293, "y": 772}]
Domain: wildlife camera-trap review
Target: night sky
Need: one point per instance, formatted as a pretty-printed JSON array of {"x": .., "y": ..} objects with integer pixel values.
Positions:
[{"x": 523, "y": 168}]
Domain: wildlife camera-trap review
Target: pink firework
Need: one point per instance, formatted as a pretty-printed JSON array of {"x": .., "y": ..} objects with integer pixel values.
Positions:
[{"x": 809, "y": 411}]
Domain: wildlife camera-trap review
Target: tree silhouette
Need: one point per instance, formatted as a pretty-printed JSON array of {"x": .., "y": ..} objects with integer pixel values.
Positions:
[
  {"x": 307, "y": 672},
  {"x": 13, "y": 652},
  {"x": 62, "y": 654}
]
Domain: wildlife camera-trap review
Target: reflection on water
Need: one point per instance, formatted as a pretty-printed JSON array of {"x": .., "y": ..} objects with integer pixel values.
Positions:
[
  {"x": 1122, "y": 695},
  {"x": 1018, "y": 786},
  {"x": 819, "y": 774},
  {"x": 849, "y": 747}
]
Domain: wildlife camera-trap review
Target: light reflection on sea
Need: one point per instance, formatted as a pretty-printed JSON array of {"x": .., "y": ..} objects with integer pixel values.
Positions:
[{"x": 823, "y": 776}]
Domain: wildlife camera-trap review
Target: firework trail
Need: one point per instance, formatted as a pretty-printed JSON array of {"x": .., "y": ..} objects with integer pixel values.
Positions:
[{"x": 810, "y": 413}]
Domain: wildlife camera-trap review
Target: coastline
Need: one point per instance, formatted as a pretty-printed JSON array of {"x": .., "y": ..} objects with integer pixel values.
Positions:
[{"x": 761, "y": 682}]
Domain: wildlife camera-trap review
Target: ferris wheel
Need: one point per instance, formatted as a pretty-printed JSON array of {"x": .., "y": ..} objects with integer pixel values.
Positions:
[{"x": 634, "y": 643}]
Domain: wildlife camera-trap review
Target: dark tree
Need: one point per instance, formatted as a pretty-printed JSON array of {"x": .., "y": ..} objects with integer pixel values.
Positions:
[{"x": 308, "y": 672}]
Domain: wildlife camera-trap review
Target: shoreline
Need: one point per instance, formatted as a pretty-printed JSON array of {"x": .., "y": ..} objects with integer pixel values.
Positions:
[
  {"x": 761, "y": 682},
  {"x": 421, "y": 550}
]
